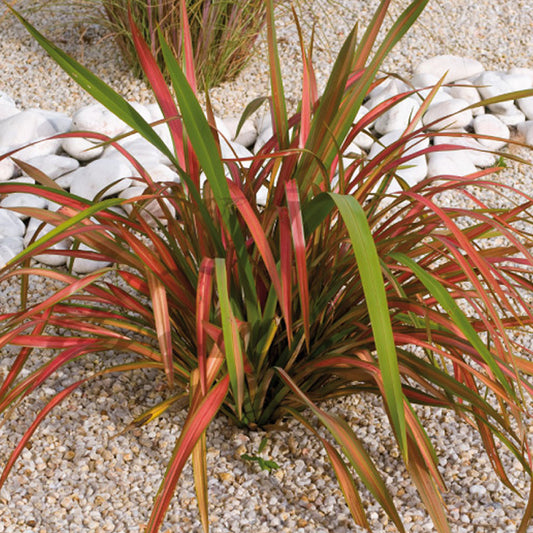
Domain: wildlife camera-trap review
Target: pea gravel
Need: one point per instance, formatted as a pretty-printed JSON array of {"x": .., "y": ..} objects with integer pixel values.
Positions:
[{"x": 80, "y": 474}]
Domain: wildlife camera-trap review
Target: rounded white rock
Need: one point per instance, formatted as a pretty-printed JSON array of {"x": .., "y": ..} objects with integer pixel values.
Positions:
[
  {"x": 447, "y": 114},
  {"x": 523, "y": 72},
  {"x": 263, "y": 137},
  {"x": 9, "y": 248},
  {"x": 423, "y": 80},
  {"x": 142, "y": 150},
  {"x": 97, "y": 118},
  {"x": 389, "y": 88},
  {"x": 518, "y": 81},
  {"x": 20, "y": 199},
  {"x": 81, "y": 149},
  {"x": 398, "y": 116},
  {"x": 247, "y": 134},
  {"x": 162, "y": 130},
  {"x": 110, "y": 174},
  {"x": 233, "y": 150},
  {"x": 526, "y": 130},
  {"x": 263, "y": 122},
  {"x": 8, "y": 107},
  {"x": 526, "y": 106},
  {"x": 411, "y": 171},
  {"x": 512, "y": 117},
  {"x": 493, "y": 126},
  {"x": 465, "y": 90},
  {"x": 8, "y": 169},
  {"x": 7, "y": 111},
  {"x": 262, "y": 196},
  {"x": 154, "y": 111},
  {"x": 492, "y": 84},
  {"x": 469, "y": 147},
  {"x": 10, "y": 224},
  {"x": 86, "y": 266},
  {"x": 60, "y": 122},
  {"x": 54, "y": 165},
  {"x": 363, "y": 139},
  {"x": 454, "y": 67},
  {"x": 24, "y": 128},
  {"x": 35, "y": 225},
  {"x": 160, "y": 173},
  {"x": 65, "y": 180},
  {"x": 453, "y": 163},
  {"x": 142, "y": 110},
  {"x": 153, "y": 207},
  {"x": 222, "y": 129},
  {"x": 352, "y": 153}
]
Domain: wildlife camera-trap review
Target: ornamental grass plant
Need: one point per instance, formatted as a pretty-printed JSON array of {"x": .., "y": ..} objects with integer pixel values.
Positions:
[
  {"x": 336, "y": 286},
  {"x": 223, "y": 32}
]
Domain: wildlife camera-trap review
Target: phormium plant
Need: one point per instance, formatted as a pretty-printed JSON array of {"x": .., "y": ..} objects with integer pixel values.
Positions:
[{"x": 333, "y": 287}]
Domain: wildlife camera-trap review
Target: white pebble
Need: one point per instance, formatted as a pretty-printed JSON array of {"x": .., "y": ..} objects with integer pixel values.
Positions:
[
  {"x": 85, "y": 266},
  {"x": 478, "y": 490},
  {"x": 10, "y": 224},
  {"x": 398, "y": 116},
  {"x": 81, "y": 149},
  {"x": 452, "y": 163},
  {"x": 466, "y": 91},
  {"x": 492, "y": 84},
  {"x": 493, "y": 126},
  {"x": 109, "y": 174},
  {"x": 526, "y": 106},
  {"x": 455, "y": 67},
  {"x": 448, "y": 114},
  {"x": 476, "y": 152}
]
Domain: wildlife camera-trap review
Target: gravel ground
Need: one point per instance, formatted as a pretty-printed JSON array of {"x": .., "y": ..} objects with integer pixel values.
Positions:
[{"x": 79, "y": 476}]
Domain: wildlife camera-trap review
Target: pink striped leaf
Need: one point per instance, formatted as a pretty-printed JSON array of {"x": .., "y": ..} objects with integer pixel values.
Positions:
[
  {"x": 195, "y": 425},
  {"x": 204, "y": 294},
  {"x": 300, "y": 252},
  {"x": 158, "y": 295}
]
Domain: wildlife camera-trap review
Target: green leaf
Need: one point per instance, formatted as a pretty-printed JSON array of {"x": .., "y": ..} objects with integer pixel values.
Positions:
[
  {"x": 368, "y": 262},
  {"x": 281, "y": 128},
  {"x": 264, "y": 464},
  {"x": 439, "y": 292},
  {"x": 249, "y": 110},
  {"x": 232, "y": 342},
  {"x": 206, "y": 150},
  {"x": 354, "y": 451},
  {"x": 97, "y": 88}
]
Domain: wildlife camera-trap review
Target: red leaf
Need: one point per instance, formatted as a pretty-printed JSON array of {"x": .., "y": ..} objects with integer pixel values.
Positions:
[
  {"x": 195, "y": 424},
  {"x": 185, "y": 33},
  {"x": 39, "y": 418},
  {"x": 298, "y": 239},
  {"x": 286, "y": 265},
  {"x": 158, "y": 295},
  {"x": 260, "y": 241},
  {"x": 160, "y": 88},
  {"x": 203, "y": 305}
]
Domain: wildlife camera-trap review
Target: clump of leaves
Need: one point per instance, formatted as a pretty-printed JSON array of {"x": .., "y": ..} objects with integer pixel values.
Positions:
[{"x": 332, "y": 288}]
